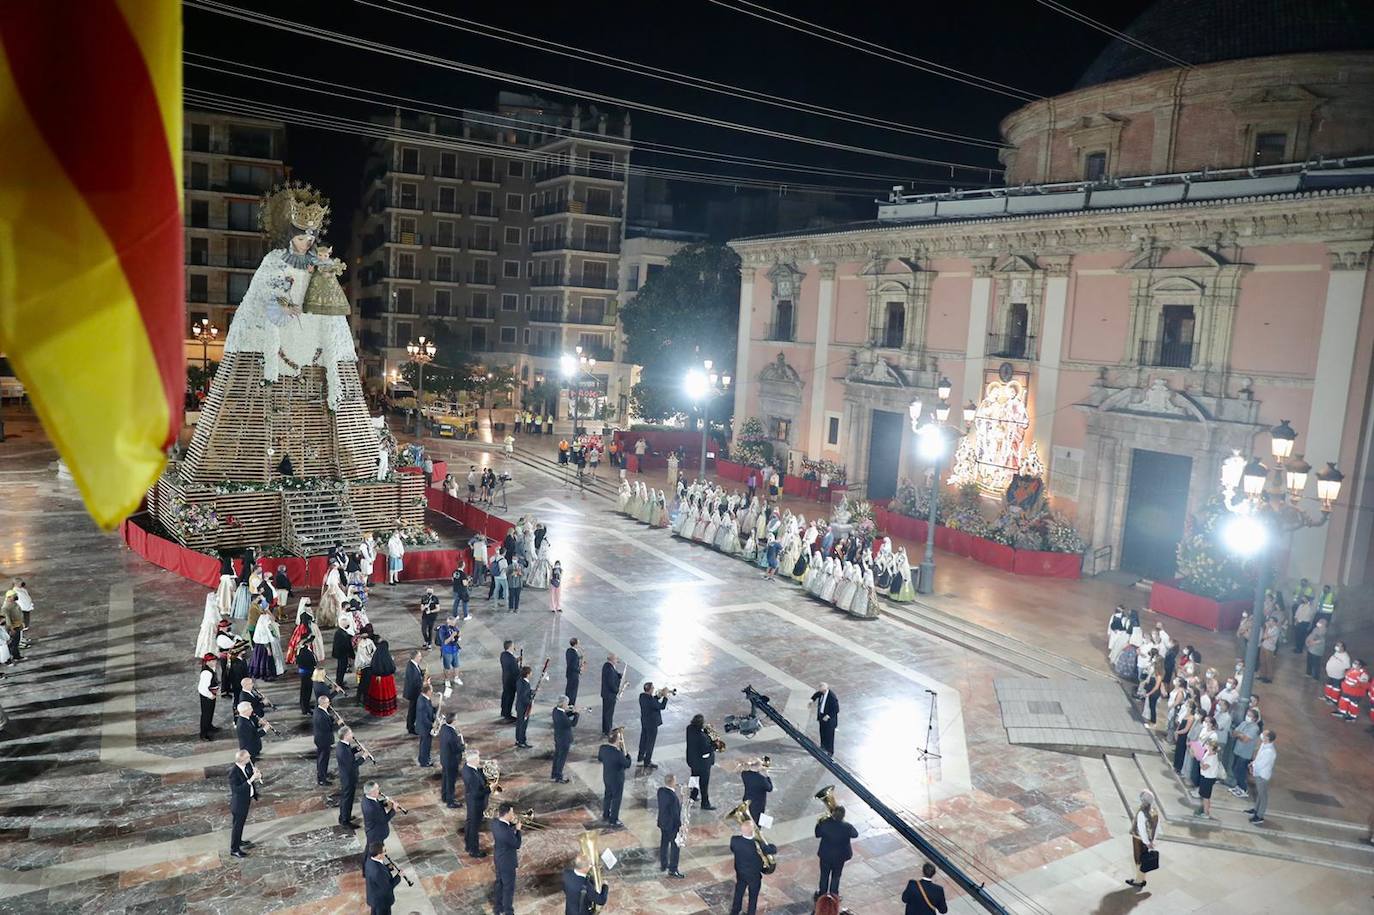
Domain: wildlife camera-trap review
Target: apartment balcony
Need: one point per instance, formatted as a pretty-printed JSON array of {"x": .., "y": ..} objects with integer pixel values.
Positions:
[
  {"x": 446, "y": 241},
  {"x": 1159, "y": 354},
  {"x": 230, "y": 261},
  {"x": 222, "y": 225},
  {"x": 547, "y": 281},
  {"x": 599, "y": 353},
  {"x": 401, "y": 273},
  {"x": 404, "y": 308},
  {"x": 455, "y": 174},
  {"x": 599, "y": 172},
  {"x": 205, "y": 297},
  {"x": 595, "y": 281},
  {"x": 595, "y": 317},
  {"x": 481, "y": 279},
  {"x": 370, "y": 308},
  {"x": 484, "y": 211},
  {"x": 482, "y": 247},
  {"x": 545, "y": 316},
  {"x": 481, "y": 313},
  {"x": 610, "y": 246},
  {"x": 1011, "y": 346},
  {"x": 404, "y": 204},
  {"x": 484, "y": 177},
  {"x": 577, "y": 208},
  {"x": 781, "y": 331}
]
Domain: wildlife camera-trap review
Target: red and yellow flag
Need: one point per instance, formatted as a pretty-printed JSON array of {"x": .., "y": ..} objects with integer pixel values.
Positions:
[{"x": 92, "y": 314}]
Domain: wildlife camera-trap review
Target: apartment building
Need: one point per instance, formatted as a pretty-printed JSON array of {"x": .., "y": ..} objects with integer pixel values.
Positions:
[
  {"x": 228, "y": 162},
  {"x": 502, "y": 229}
]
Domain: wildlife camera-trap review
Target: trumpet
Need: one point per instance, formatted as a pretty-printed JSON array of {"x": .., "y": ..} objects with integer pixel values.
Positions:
[
  {"x": 396, "y": 804},
  {"x": 391, "y": 866},
  {"x": 827, "y": 796},
  {"x": 716, "y": 742},
  {"x": 587, "y": 845},
  {"x": 665, "y": 691},
  {"x": 740, "y": 814}
]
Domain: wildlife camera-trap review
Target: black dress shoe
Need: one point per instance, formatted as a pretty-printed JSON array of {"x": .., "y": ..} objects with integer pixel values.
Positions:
[
  {"x": 708, "y": 806},
  {"x": 479, "y": 854},
  {"x": 451, "y": 806},
  {"x": 676, "y": 874},
  {"x": 239, "y": 853},
  {"x": 245, "y": 843},
  {"x": 350, "y": 824},
  {"x": 322, "y": 783},
  {"x": 562, "y": 781},
  {"x": 206, "y": 737}
]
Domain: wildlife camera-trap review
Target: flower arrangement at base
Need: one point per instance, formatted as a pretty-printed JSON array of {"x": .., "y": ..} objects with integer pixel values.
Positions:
[
  {"x": 193, "y": 520},
  {"x": 1204, "y": 566},
  {"x": 813, "y": 470},
  {"x": 411, "y": 535},
  {"x": 963, "y": 511},
  {"x": 904, "y": 501},
  {"x": 284, "y": 484}
]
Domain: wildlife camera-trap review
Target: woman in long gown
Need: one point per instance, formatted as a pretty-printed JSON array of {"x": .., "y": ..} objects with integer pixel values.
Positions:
[
  {"x": 684, "y": 517},
  {"x": 844, "y": 592},
  {"x": 224, "y": 594},
  {"x": 380, "y": 700},
  {"x": 646, "y": 511},
  {"x": 747, "y": 549},
  {"x": 623, "y": 495},
  {"x": 860, "y": 603},
  {"x": 902, "y": 588},
  {"x": 791, "y": 549},
  {"x": 633, "y": 502},
  {"x": 542, "y": 568},
  {"x": 705, "y": 516},
  {"x": 209, "y": 627},
  {"x": 242, "y": 601},
  {"x": 332, "y": 596},
  {"x": 660, "y": 511},
  {"x": 831, "y": 580},
  {"x": 262, "y": 665}
]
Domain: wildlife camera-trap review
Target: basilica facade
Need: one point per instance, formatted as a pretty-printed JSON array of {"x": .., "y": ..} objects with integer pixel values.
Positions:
[{"x": 1179, "y": 262}]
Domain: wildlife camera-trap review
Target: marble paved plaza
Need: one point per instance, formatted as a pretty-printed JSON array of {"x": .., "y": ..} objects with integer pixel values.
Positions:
[{"x": 111, "y": 804}]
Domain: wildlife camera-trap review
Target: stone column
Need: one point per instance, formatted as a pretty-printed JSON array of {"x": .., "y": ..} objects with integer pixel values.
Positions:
[
  {"x": 1325, "y": 427},
  {"x": 1045, "y": 376},
  {"x": 815, "y": 438},
  {"x": 976, "y": 347},
  {"x": 746, "y": 319}
]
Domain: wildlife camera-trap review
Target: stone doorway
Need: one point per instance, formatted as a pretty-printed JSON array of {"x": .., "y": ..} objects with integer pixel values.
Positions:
[{"x": 1156, "y": 511}]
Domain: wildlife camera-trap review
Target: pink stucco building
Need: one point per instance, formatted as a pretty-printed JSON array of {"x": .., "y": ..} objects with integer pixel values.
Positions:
[{"x": 1180, "y": 260}]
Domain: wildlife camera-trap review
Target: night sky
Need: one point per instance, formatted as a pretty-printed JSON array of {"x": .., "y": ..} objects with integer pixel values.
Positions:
[{"x": 1017, "y": 42}]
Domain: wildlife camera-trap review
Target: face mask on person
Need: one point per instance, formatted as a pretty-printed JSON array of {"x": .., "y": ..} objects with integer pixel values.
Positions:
[{"x": 1252, "y": 718}]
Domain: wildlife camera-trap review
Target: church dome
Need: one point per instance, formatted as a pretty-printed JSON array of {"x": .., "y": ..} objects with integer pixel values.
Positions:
[{"x": 1209, "y": 31}]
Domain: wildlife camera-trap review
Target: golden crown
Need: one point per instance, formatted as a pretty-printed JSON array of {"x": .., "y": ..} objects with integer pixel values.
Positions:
[{"x": 292, "y": 209}]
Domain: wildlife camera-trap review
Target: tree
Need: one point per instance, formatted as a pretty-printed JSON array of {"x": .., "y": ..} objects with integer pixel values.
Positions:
[
  {"x": 495, "y": 380},
  {"x": 688, "y": 312},
  {"x": 452, "y": 366}
]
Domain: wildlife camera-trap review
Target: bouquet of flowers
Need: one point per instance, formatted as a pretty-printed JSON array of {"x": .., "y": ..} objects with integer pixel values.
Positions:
[
  {"x": 194, "y": 520},
  {"x": 963, "y": 511},
  {"x": 411, "y": 535}
]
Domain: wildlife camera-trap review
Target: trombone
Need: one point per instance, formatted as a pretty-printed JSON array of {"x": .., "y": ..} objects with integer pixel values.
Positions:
[{"x": 528, "y": 821}]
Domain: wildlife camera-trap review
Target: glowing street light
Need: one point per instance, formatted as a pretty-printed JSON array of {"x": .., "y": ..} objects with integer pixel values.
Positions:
[{"x": 703, "y": 386}]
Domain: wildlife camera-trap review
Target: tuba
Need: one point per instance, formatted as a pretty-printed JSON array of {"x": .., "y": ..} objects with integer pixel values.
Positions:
[
  {"x": 711, "y": 734},
  {"x": 826, "y": 796},
  {"x": 740, "y": 814},
  {"x": 587, "y": 845}
]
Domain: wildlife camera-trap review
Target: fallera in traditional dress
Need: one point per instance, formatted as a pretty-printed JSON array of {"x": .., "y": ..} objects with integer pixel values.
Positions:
[
  {"x": 828, "y": 586},
  {"x": 712, "y": 528},
  {"x": 540, "y": 571},
  {"x": 844, "y": 592},
  {"x": 906, "y": 591},
  {"x": 699, "y": 530},
  {"x": 683, "y": 522},
  {"x": 858, "y": 603},
  {"x": 646, "y": 509}
]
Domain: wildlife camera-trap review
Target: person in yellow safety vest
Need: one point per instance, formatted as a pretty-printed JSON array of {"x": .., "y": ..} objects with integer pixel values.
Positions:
[
  {"x": 1304, "y": 589},
  {"x": 1326, "y": 605},
  {"x": 563, "y": 451},
  {"x": 1353, "y": 686}
]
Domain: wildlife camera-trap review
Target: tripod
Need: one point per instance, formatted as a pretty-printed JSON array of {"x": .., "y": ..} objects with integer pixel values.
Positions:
[
  {"x": 925, "y": 752},
  {"x": 501, "y": 492}
]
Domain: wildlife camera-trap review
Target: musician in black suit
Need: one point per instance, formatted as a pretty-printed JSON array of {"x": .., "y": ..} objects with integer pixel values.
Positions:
[
  {"x": 669, "y": 825},
  {"x": 424, "y": 725},
  {"x": 451, "y": 759},
  {"x": 248, "y": 693},
  {"x": 756, "y": 788},
  {"x": 249, "y": 731},
  {"x": 565, "y": 718},
  {"x": 573, "y": 659},
  {"x": 925, "y": 896},
  {"x": 579, "y": 896},
  {"x": 377, "y": 815},
  {"x": 234, "y": 674},
  {"x": 835, "y": 835},
  {"x": 701, "y": 756},
  {"x": 510, "y": 672},
  {"x": 349, "y": 758},
  {"x": 322, "y": 726},
  {"x": 610, "y": 692},
  {"x": 381, "y": 882},
  {"x": 505, "y": 840},
  {"x": 475, "y": 794},
  {"x": 242, "y": 791},
  {"x": 415, "y": 678},
  {"x": 827, "y": 715},
  {"x": 524, "y": 701},
  {"x": 614, "y": 761},
  {"x": 207, "y": 688},
  {"x": 748, "y": 867},
  {"x": 650, "y": 717}
]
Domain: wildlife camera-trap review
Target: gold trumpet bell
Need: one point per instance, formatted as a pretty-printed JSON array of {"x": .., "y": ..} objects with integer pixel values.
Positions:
[{"x": 527, "y": 820}]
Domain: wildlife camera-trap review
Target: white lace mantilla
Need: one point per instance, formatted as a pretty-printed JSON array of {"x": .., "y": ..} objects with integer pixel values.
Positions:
[{"x": 288, "y": 344}]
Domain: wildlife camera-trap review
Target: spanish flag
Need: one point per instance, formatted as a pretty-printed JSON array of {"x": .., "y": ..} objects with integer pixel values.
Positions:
[{"x": 92, "y": 314}]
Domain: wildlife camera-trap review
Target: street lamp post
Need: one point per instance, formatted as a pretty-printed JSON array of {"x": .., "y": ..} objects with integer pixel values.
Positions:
[
  {"x": 204, "y": 331},
  {"x": 933, "y": 439},
  {"x": 576, "y": 367},
  {"x": 704, "y": 386},
  {"x": 421, "y": 353},
  {"x": 1267, "y": 507}
]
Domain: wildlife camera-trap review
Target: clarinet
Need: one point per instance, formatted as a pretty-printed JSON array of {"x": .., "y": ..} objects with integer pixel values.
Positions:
[{"x": 391, "y": 865}]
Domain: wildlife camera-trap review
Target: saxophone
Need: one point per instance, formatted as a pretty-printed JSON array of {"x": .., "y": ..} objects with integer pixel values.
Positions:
[{"x": 715, "y": 738}]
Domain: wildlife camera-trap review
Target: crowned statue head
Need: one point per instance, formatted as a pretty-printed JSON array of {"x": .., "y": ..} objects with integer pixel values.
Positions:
[{"x": 294, "y": 216}]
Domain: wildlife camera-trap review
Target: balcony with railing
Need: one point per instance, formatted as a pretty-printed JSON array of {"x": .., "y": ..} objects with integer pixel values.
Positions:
[
  {"x": 481, "y": 278},
  {"x": 546, "y": 316},
  {"x": 402, "y": 202},
  {"x": 484, "y": 210},
  {"x": 577, "y": 208},
  {"x": 446, "y": 240},
  {"x": 1165, "y": 354},
  {"x": 442, "y": 275},
  {"x": 481, "y": 312},
  {"x": 1011, "y": 346},
  {"x": 585, "y": 315},
  {"x": 482, "y": 246},
  {"x": 593, "y": 281},
  {"x": 612, "y": 172},
  {"x": 599, "y": 353},
  {"x": 598, "y": 246},
  {"x": 781, "y": 331}
]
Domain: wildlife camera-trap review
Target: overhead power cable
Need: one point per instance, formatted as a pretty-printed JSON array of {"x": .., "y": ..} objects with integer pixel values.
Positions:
[
  {"x": 358, "y": 43},
  {"x": 372, "y": 129},
  {"x": 873, "y": 49},
  {"x": 523, "y": 40},
  {"x": 1105, "y": 29},
  {"x": 224, "y": 67}
]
